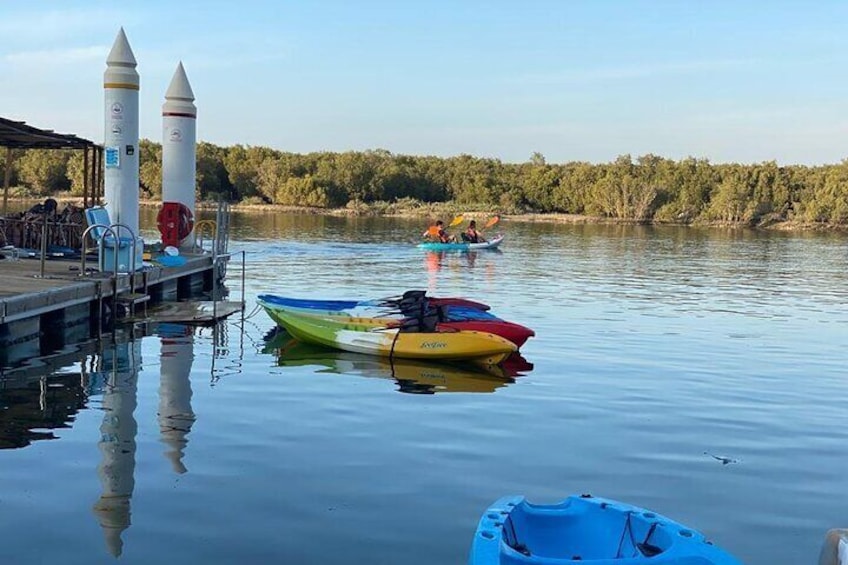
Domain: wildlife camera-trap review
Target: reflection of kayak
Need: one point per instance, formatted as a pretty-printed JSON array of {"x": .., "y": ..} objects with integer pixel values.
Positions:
[
  {"x": 510, "y": 331},
  {"x": 459, "y": 246},
  {"x": 412, "y": 376},
  {"x": 477, "y": 347},
  {"x": 586, "y": 530},
  {"x": 337, "y": 305}
]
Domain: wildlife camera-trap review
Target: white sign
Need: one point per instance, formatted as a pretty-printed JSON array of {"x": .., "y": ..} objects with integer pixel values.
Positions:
[{"x": 176, "y": 135}]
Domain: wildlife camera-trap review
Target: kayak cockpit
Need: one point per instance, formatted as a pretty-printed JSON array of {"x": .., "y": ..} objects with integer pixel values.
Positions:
[{"x": 576, "y": 532}]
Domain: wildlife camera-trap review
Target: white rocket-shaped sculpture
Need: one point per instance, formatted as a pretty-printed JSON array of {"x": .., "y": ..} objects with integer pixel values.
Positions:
[
  {"x": 175, "y": 414},
  {"x": 120, "y": 86},
  {"x": 117, "y": 442},
  {"x": 179, "y": 145}
]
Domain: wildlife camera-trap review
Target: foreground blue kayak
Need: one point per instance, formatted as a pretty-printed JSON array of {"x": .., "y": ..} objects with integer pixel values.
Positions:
[
  {"x": 583, "y": 529},
  {"x": 459, "y": 246}
]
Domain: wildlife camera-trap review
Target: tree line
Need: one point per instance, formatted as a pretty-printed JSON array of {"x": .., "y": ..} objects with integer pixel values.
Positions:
[{"x": 645, "y": 189}]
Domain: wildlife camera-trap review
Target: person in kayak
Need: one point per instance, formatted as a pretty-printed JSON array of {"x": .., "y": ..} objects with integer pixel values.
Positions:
[
  {"x": 471, "y": 235},
  {"x": 438, "y": 233}
]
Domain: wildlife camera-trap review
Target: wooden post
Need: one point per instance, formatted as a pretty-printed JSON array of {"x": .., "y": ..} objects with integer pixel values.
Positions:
[
  {"x": 85, "y": 177},
  {"x": 7, "y": 177}
]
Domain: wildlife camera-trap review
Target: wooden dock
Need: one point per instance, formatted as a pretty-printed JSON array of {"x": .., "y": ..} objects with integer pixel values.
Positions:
[{"x": 41, "y": 312}]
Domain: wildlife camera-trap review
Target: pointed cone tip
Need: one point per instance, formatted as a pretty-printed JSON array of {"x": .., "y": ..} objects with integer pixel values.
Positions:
[
  {"x": 179, "y": 88},
  {"x": 121, "y": 51}
]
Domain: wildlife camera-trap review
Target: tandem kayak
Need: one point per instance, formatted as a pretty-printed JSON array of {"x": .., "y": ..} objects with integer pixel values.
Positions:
[
  {"x": 584, "y": 529},
  {"x": 460, "y": 246},
  {"x": 481, "y": 348},
  {"x": 336, "y": 305}
]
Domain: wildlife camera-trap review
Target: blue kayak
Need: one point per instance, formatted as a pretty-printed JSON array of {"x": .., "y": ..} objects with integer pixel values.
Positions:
[
  {"x": 332, "y": 307},
  {"x": 584, "y": 529},
  {"x": 376, "y": 303},
  {"x": 461, "y": 246}
]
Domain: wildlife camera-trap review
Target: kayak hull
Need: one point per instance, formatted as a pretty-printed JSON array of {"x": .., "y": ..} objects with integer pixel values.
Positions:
[
  {"x": 493, "y": 243},
  {"x": 583, "y": 529},
  {"x": 480, "y": 348}
]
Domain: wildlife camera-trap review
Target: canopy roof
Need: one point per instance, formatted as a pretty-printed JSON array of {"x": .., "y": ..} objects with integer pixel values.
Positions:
[{"x": 19, "y": 135}]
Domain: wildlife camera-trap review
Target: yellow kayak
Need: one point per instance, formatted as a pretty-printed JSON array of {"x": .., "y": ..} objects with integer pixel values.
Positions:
[{"x": 480, "y": 348}]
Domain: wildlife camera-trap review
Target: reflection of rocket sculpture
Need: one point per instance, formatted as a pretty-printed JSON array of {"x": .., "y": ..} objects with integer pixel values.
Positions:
[
  {"x": 175, "y": 414},
  {"x": 179, "y": 152},
  {"x": 120, "y": 86},
  {"x": 117, "y": 442}
]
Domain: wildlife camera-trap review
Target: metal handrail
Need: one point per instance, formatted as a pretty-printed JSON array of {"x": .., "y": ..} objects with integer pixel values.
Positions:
[
  {"x": 85, "y": 245},
  {"x": 199, "y": 230}
]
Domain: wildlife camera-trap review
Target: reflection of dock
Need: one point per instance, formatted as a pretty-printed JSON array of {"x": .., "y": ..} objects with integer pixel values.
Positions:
[
  {"x": 29, "y": 412},
  {"x": 35, "y": 398},
  {"x": 203, "y": 312}
]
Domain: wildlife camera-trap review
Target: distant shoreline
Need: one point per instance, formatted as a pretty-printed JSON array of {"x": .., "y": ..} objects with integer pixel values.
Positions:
[
  {"x": 449, "y": 210},
  {"x": 553, "y": 217}
]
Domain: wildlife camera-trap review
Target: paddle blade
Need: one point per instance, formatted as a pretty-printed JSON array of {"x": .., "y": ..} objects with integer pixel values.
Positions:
[
  {"x": 456, "y": 221},
  {"x": 433, "y": 230},
  {"x": 492, "y": 222}
]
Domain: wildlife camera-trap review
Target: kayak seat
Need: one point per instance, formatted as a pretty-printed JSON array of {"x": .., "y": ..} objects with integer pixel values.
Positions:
[
  {"x": 419, "y": 294},
  {"x": 425, "y": 321}
]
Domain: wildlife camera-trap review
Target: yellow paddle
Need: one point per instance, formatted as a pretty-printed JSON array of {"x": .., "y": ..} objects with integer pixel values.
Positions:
[
  {"x": 434, "y": 231},
  {"x": 492, "y": 222}
]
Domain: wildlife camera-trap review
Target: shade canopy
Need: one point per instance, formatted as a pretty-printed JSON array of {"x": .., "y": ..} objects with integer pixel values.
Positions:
[{"x": 19, "y": 135}]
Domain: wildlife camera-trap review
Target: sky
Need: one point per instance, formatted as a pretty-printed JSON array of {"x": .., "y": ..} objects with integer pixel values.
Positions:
[{"x": 573, "y": 80}]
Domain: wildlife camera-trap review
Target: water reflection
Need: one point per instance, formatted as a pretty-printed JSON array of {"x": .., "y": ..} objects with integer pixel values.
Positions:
[
  {"x": 120, "y": 363},
  {"x": 411, "y": 375},
  {"x": 479, "y": 264},
  {"x": 34, "y": 401},
  {"x": 175, "y": 414}
]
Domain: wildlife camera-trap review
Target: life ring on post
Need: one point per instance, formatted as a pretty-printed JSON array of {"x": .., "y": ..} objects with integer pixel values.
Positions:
[{"x": 175, "y": 222}]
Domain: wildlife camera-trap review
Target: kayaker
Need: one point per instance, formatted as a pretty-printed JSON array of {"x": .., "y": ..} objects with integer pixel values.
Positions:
[
  {"x": 438, "y": 232},
  {"x": 471, "y": 234}
]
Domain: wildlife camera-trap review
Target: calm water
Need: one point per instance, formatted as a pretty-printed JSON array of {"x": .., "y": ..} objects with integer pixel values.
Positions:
[{"x": 655, "y": 349}]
